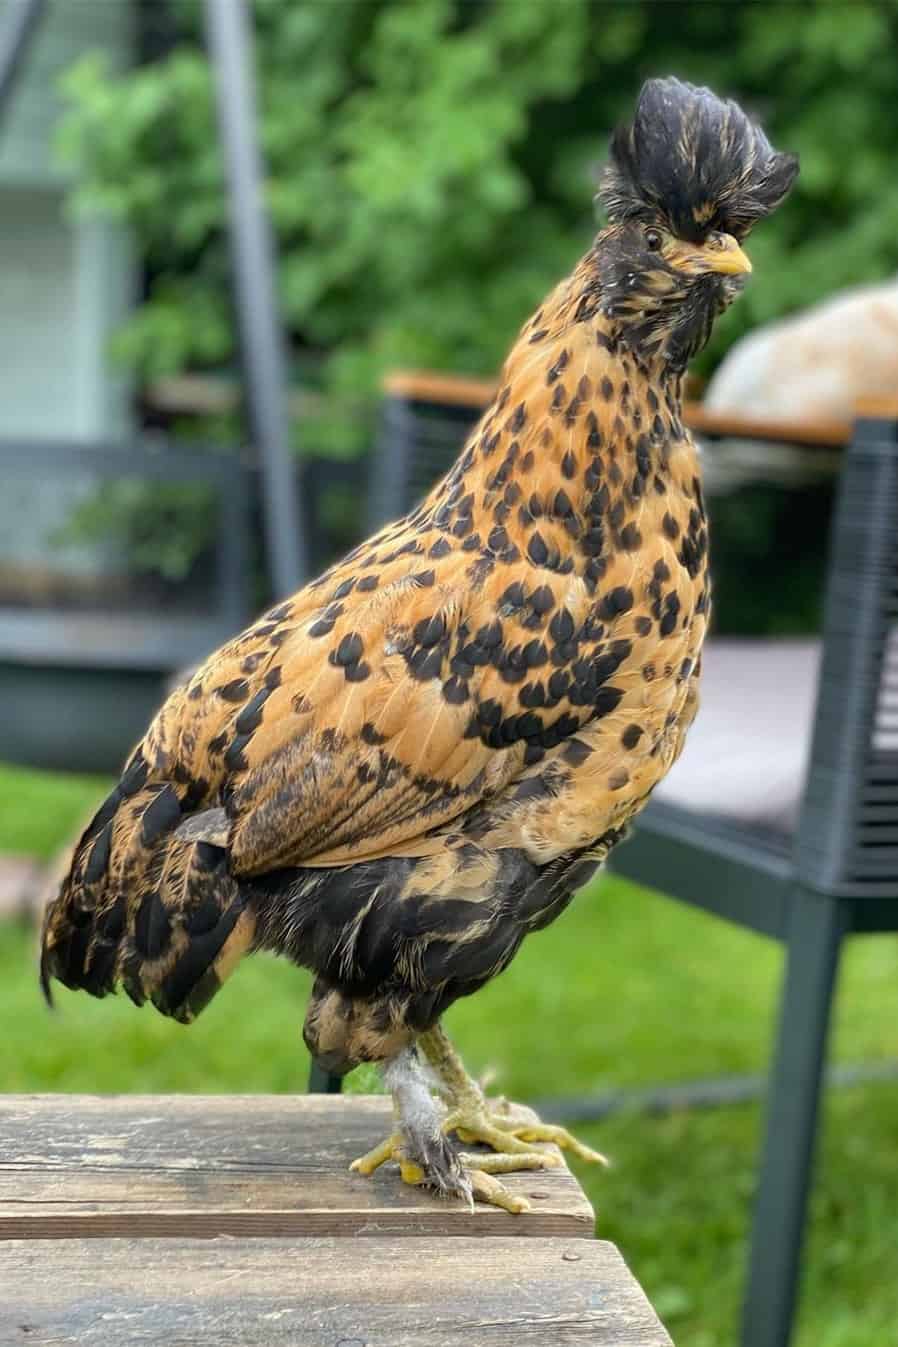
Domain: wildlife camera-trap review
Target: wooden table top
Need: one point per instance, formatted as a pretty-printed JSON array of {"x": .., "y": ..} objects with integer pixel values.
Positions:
[{"x": 235, "y": 1220}]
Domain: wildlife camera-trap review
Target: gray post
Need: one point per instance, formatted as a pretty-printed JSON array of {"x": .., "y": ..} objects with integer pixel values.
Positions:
[
  {"x": 252, "y": 246},
  {"x": 16, "y": 33},
  {"x": 817, "y": 927}
]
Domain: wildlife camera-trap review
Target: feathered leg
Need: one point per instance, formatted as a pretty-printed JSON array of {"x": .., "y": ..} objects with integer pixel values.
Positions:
[
  {"x": 418, "y": 1143},
  {"x": 424, "y": 1154}
]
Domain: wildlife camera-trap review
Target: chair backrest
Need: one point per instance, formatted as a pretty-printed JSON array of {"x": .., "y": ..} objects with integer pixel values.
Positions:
[
  {"x": 424, "y": 423},
  {"x": 847, "y": 840}
]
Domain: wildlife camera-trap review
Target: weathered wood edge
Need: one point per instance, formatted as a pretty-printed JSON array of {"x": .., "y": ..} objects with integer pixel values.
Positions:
[
  {"x": 416, "y": 1223},
  {"x": 60, "y": 1177},
  {"x": 304, "y": 1293}
]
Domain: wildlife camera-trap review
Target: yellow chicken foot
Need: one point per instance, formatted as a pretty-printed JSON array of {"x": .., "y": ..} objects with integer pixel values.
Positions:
[
  {"x": 391, "y": 1148},
  {"x": 507, "y": 1128},
  {"x": 478, "y": 1172},
  {"x": 425, "y": 1156}
]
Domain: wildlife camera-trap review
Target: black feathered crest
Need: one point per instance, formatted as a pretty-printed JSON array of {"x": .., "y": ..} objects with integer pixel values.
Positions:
[{"x": 696, "y": 159}]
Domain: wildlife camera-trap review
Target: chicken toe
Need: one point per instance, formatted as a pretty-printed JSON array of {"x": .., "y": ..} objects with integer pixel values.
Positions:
[{"x": 510, "y": 1129}]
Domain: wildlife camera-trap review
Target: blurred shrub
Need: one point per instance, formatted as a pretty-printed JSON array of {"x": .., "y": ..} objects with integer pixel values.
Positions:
[{"x": 431, "y": 166}]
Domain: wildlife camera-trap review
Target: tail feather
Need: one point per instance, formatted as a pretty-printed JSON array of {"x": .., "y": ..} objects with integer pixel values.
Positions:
[{"x": 144, "y": 907}]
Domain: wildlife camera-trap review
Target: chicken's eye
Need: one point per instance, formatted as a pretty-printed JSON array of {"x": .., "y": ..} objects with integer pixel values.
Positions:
[{"x": 652, "y": 240}]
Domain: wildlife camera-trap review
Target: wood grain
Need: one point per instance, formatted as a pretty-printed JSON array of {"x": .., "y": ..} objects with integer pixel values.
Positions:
[
  {"x": 322, "y": 1293},
  {"x": 74, "y": 1166}
]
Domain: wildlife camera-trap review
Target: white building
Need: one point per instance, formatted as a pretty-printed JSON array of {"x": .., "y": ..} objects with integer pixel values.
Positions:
[{"x": 65, "y": 283}]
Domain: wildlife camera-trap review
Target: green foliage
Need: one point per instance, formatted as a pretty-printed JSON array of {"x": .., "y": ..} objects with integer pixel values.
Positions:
[{"x": 431, "y": 164}]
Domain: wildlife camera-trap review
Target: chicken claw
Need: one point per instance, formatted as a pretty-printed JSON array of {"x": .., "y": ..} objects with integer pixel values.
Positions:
[
  {"x": 489, "y": 1189},
  {"x": 420, "y": 1146},
  {"x": 388, "y": 1149},
  {"x": 561, "y": 1137},
  {"x": 471, "y": 1177},
  {"x": 479, "y": 1171}
]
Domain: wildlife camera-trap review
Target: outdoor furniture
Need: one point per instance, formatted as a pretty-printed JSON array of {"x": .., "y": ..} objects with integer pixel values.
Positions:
[
  {"x": 828, "y": 871},
  {"x": 782, "y": 814},
  {"x": 236, "y": 1221}
]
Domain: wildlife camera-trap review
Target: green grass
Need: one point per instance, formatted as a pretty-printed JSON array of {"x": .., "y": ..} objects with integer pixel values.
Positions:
[
  {"x": 626, "y": 989},
  {"x": 38, "y": 812}
]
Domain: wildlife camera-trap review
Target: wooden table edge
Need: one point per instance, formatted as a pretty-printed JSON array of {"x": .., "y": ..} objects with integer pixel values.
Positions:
[{"x": 414, "y": 1223}]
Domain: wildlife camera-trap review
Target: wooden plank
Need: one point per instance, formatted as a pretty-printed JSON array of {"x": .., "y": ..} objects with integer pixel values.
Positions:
[
  {"x": 447, "y": 389},
  {"x": 830, "y": 434},
  {"x": 878, "y": 409},
  {"x": 323, "y": 1293},
  {"x": 75, "y": 1166},
  {"x": 451, "y": 390}
]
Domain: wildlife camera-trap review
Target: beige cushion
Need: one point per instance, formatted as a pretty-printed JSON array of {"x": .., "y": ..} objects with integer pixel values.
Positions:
[
  {"x": 747, "y": 750},
  {"x": 815, "y": 365}
]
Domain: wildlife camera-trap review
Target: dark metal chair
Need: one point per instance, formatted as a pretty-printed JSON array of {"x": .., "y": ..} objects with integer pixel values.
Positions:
[{"x": 836, "y": 874}]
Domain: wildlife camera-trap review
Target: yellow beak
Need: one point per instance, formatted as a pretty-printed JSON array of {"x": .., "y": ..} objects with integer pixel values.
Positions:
[
  {"x": 720, "y": 254},
  {"x": 726, "y": 257}
]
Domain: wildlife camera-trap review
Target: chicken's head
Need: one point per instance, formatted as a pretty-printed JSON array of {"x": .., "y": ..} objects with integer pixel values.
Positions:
[{"x": 686, "y": 181}]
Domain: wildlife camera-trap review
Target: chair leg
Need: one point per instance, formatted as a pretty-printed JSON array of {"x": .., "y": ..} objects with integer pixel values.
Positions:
[{"x": 816, "y": 930}]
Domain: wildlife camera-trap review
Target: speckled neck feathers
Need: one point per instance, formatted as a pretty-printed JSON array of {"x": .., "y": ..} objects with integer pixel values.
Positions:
[{"x": 576, "y": 448}]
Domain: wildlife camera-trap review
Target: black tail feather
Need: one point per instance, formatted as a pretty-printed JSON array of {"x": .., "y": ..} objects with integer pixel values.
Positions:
[{"x": 144, "y": 906}]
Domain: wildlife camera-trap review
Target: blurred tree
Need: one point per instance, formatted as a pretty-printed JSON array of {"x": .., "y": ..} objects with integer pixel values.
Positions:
[{"x": 432, "y": 164}]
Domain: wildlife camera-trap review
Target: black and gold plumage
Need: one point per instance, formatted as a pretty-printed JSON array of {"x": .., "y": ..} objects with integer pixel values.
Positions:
[{"x": 395, "y": 775}]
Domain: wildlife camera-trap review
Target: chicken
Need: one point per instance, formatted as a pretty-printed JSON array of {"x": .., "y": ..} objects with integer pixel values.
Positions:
[{"x": 395, "y": 775}]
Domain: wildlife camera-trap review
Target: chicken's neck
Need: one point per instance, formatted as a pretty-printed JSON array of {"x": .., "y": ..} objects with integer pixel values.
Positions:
[{"x": 581, "y": 437}]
